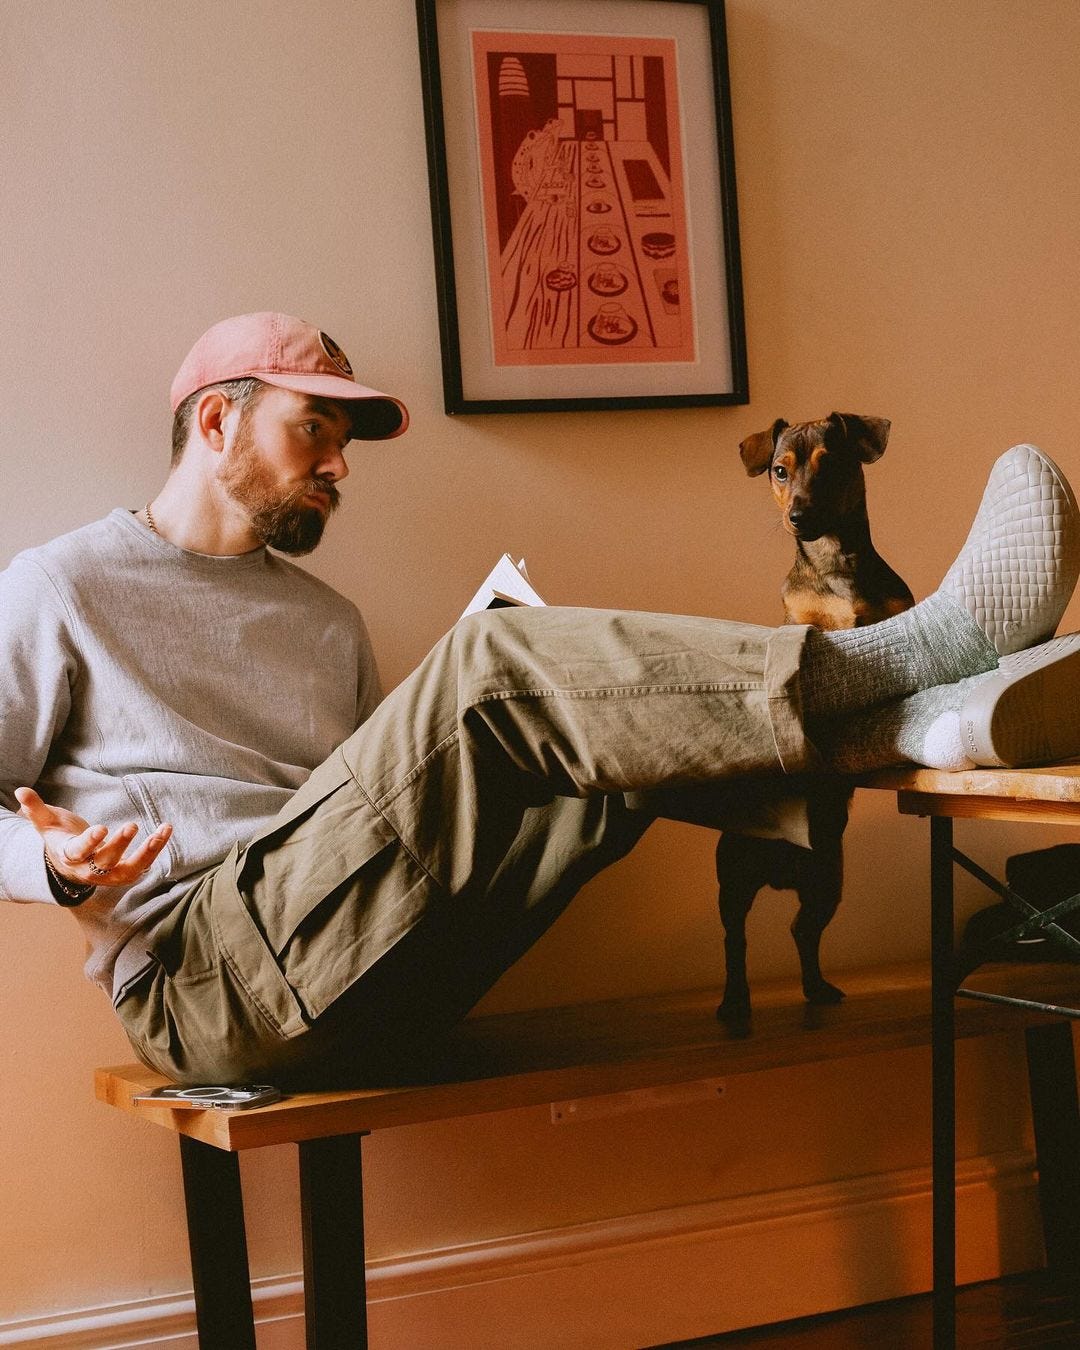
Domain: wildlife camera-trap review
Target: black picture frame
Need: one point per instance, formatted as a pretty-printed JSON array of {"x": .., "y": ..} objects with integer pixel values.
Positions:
[{"x": 460, "y": 43}]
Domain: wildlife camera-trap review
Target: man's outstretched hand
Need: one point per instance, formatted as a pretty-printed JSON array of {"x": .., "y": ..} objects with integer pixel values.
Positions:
[{"x": 89, "y": 855}]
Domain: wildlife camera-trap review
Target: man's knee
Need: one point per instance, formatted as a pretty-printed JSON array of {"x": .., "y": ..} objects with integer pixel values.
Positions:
[{"x": 486, "y": 652}]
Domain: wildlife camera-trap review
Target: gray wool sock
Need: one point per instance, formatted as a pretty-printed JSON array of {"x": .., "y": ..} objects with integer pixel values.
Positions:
[
  {"x": 923, "y": 728},
  {"x": 937, "y": 642}
]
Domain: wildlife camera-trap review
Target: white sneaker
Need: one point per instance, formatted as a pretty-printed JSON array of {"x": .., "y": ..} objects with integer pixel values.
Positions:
[
  {"x": 1028, "y": 710},
  {"x": 1019, "y": 565}
]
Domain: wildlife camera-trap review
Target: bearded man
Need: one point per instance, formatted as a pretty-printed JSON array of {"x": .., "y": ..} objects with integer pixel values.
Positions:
[{"x": 326, "y": 880}]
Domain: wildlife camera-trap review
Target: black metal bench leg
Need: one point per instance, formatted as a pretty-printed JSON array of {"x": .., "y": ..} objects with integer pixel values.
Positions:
[
  {"x": 332, "y": 1214},
  {"x": 219, "y": 1260},
  {"x": 1055, "y": 1114},
  {"x": 943, "y": 1071}
]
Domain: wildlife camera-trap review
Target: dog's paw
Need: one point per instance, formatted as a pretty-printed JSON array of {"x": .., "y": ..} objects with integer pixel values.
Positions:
[
  {"x": 734, "y": 1012},
  {"x": 823, "y": 993}
]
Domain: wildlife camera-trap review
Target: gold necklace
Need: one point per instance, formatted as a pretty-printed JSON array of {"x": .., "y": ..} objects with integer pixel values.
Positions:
[{"x": 150, "y": 519}]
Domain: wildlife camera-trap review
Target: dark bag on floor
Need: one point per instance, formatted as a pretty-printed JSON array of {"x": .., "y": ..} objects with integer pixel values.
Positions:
[{"x": 1042, "y": 877}]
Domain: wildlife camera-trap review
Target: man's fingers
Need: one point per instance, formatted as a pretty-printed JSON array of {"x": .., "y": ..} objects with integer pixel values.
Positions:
[
  {"x": 120, "y": 870},
  {"x": 143, "y": 857},
  {"x": 33, "y": 808},
  {"x": 79, "y": 848},
  {"x": 107, "y": 849},
  {"x": 45, "y": 817},
  {"x": 90, "y": 853}
]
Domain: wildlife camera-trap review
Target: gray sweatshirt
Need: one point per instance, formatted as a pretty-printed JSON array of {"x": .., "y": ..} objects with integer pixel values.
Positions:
[{"x": 140, "y": 682}]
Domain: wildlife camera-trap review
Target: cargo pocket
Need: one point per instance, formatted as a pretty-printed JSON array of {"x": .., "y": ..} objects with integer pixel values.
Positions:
[
  {"x": 340, "y": 937},
  {"x": 315, "y": 900},
  {"x": 244, "y": 951}
]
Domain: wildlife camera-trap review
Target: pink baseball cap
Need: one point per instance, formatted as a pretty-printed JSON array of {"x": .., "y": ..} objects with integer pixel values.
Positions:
[{"x": 291, "y": 354}]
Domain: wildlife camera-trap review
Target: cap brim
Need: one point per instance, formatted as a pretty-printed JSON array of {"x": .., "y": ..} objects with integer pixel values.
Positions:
[{"x": 376, "y": 417}]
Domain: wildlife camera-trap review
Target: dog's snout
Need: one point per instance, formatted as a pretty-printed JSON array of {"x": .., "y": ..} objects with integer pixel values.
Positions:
[
  {"x": 799, "y": 515},
  {"x": 805, "y": 520}
]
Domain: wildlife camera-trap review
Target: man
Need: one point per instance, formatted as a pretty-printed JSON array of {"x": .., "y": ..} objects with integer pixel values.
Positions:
[{"x": 325, "y": 880}]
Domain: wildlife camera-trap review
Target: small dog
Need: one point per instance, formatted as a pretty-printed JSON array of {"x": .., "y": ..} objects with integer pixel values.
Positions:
[{"x": 838, "y": 581}]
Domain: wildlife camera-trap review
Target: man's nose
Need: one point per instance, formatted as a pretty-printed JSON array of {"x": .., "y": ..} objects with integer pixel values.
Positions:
[{"x": 334, "y": 466}]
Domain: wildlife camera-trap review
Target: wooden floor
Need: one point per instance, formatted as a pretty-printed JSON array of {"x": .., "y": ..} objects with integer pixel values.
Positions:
[{"x": 1012, "y": 1314}]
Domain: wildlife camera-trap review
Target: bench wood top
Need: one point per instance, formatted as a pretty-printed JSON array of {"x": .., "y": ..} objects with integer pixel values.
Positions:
[
  {"x": 510, "y": 1060},
  {"x": 1049, "y": 794}
]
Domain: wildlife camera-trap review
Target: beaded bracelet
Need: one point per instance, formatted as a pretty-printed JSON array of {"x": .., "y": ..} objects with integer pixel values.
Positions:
[{"x": 67, "y": 893}]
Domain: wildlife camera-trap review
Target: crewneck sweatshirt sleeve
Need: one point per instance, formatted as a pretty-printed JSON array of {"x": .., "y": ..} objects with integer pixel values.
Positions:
[
  {"x": 369, "y": 690},
  {"x": 39, "y": 668}
]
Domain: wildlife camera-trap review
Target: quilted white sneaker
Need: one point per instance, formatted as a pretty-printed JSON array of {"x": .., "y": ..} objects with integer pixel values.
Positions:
[
  {"x": 1027, "y": 711},
  {"x": 1020, "y": 562}
]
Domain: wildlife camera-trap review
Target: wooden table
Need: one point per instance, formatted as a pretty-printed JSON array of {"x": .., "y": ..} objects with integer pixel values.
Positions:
[{"x": 1048, "y": 795}]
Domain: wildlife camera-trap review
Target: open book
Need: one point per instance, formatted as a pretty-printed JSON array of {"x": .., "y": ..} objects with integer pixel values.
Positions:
[{"x": 506, "y": 584}]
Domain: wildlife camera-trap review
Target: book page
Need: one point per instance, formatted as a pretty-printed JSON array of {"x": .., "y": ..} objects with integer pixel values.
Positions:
[{"x": 506, "y": 584}]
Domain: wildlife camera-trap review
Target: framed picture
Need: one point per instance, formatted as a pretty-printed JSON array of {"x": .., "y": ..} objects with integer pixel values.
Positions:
[{"x": 583, "y": 201}]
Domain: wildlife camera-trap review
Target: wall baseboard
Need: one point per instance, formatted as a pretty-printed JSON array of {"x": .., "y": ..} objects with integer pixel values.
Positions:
[{"x": 636, "y": 1280}]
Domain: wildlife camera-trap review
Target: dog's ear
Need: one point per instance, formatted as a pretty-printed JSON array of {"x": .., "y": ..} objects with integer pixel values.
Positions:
[
  {"x": 868, "y": 435},
  {"x": 757, "y": 450}
]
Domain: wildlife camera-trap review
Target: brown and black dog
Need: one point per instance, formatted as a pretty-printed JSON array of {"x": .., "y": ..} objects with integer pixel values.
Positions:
[{"x": 838, "y": 581}]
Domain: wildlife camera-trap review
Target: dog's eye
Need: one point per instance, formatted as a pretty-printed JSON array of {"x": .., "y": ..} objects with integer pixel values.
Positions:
[{"x": 780, "y": 473}]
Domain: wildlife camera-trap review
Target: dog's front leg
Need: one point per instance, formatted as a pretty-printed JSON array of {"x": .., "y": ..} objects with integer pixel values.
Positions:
[{"x": 820, "y": 888}]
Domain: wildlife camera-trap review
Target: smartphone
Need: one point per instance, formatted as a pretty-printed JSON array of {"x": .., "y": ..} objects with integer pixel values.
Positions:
[{"x": 212, "y": 1097}]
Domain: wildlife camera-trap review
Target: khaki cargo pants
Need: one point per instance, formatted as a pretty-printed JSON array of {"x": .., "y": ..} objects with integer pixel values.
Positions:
[{"x": 448, "y": 832}]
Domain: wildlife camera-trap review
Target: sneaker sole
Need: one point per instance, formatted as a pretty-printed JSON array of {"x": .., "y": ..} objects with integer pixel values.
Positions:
[{"x": 1029, "y": 712}]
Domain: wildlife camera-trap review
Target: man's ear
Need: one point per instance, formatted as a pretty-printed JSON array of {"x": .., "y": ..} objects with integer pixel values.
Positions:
[
  {"x": 868, "y": 436},
  {"x": 210, "y": 413},
  {"x": 757, "y": 450}
]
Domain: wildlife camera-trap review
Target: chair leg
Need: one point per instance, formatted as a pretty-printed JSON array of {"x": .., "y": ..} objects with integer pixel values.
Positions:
[
  {"x": 219, "y": 1260},
  {"x": 332, "y": 1215},
  {"x": 1055, "y": 1113}
]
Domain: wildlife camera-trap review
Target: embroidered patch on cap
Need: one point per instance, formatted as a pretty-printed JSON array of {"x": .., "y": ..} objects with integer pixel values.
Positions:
[{"x": 335, "y": 354}]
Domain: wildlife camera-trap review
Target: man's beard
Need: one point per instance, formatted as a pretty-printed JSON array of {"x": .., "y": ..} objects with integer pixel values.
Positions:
[{"x": 279, "y": 517}]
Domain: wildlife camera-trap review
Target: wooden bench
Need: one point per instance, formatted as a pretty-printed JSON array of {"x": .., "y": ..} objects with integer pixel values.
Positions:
[{"x": 515, "y": 1060}]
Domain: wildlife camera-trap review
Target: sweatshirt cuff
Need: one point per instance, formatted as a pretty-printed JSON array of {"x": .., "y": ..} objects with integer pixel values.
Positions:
[{"x": 22, "y": 864}]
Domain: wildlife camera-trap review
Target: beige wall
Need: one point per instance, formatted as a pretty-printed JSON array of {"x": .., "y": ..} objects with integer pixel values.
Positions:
[{"x": 909, "y": 194}]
